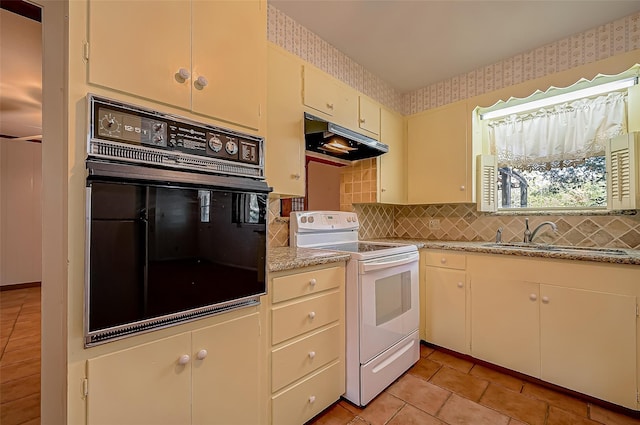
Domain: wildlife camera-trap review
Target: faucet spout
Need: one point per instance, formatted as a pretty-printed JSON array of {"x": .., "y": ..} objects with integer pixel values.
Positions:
[{"x": 544, "y": 223}]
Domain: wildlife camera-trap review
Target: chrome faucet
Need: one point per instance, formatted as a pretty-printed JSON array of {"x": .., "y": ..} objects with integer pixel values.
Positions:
[
  {"x": 527, "y": 232},
  {"x": 535, "y": 231},
  {"x": 499, "y": 235}
]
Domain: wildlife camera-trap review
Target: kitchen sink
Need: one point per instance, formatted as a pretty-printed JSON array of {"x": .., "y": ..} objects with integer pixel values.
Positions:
[{"x": 557, "y": 248}]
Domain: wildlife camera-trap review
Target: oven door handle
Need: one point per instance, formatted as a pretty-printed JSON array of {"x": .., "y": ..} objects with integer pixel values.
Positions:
[{"x": 375, "y": 265}]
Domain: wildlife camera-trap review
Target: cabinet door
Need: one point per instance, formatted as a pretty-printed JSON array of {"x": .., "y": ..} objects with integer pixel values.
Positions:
[
  {"x": 138, "y": 47},
  {"x": 505, "y": 323},
  {"x": 227, "y": 383},
  {"x": 392, "y": 170},
  {"x": 438, "y": 156},
  {"x": 320, "y": 91},
  {"x": 229, "y": 50},
  {"x": 141, "y": 385},
  {"x": 368, "y": 115},
  {"x": 285, "y": 148},
  {"x": 588, "y": 343},
  {"x": 446, "y": 308}
]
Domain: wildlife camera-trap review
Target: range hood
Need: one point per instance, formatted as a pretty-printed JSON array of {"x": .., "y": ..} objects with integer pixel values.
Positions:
[{"x": 335, "y": 141}]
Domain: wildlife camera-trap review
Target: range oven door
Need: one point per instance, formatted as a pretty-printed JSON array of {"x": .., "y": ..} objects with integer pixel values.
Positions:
[{"x": 389, "y": 304}]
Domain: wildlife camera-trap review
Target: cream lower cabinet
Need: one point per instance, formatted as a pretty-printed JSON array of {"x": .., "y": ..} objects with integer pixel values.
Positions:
[
  {"x": 307, "y": 348},
  {"x": 445, "y": 300},
  {"x": 154, "y": 383},
  {"x": 572, "y": 324}
]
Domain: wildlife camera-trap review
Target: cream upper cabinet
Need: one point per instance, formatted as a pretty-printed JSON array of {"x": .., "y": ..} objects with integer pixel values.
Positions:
[
  {"x": 438, "y": 157},
  {"x": 207, "y": 57},
  {"x": 445, "y": 300},
  {"x": 392, "y": 171},
  {"x": 285, "y": 146},
  {"x": 368, "y": 115},
  {"x": 328, "y": 98},
  {"x": 211, "y": 376}
]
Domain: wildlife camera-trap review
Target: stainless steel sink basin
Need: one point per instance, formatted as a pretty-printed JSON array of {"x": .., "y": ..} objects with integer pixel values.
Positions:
[{"x": 557, "y": 248}]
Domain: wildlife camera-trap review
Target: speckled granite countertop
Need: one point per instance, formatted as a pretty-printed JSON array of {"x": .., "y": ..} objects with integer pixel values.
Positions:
[
  {"x": 287, "y": 258},
  {"x": 630, "y": 256}
]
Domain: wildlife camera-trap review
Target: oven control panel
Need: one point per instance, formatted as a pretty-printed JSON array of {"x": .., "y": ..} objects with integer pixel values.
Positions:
[
  {"x": 130, "y": 133},
  {"x": 323, "y": 220}
]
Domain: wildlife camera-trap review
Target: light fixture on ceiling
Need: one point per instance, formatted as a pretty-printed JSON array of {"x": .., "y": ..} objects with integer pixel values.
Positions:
[{"x": 565, "y": 97}]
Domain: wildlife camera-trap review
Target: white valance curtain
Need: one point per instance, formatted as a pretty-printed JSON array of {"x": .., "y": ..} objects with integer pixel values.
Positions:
[{"x": 567, "y": 132}]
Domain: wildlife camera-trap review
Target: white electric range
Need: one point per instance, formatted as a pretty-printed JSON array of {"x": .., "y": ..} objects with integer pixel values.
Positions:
[{"x": 382, "y": 305}]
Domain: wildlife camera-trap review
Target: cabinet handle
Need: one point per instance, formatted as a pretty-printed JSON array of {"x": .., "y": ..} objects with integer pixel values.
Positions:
[
  {"x": 545, "y": 300},
  {"x": 533, "y": 297},
  {"x": 183, "y": 359},
  {"x": 383, "y": 190},
  {"x": 312, "y": 399},
  {"x": 330, "y": 105},
  {"x": 312, "y": 354},
  {"x": 443, "y": 260},
  {"x": 460, "y": 284},
  {"x": 295, "y": 176},
  {"x": 312, "y": 282},
  {"x": 362, "y": 120},
  {"x": 201, "y": 82},
  {"x": 312, "y": 315},
  {"x": 183, "y": 74},
  {"x": 201, "y": 354},
  {"x": 462, "y": 188}
]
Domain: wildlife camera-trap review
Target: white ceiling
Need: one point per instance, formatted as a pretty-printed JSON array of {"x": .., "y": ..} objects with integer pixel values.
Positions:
[{"x": 413, "y": 43}]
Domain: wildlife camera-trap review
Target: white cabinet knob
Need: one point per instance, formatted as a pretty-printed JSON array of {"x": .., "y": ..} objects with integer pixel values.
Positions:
[
  {"x": 184, "y": 359},
  {"x": 330, "y": 105},
  {"x": 533, "y": 297},
  {"x": 312, "y": 399},
  {"x": 312, "y": 354},
  {"x": 184, "y": 73},
  {"x": 545, "y": 300},
  {"x": 460, "y": 284},
  {"x": 201, "y": 354},
  {"x": 443, "y": 260},
  {"x": 312, "y": 315},
  {"x": 312, "y": 282},
  {"x": 201, "y": 81},
  {"x": 462, "y": 188}
]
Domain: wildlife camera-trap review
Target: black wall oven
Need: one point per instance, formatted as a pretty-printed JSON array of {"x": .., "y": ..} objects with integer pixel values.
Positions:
[{"x": 169, "y": 243}]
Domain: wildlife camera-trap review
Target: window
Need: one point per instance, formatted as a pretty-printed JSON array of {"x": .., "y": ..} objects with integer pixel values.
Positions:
[{"x": 553, "y": 156}]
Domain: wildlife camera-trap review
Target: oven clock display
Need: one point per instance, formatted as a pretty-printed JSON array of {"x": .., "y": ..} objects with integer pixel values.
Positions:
[
  {"x": 109, "y": 125},
  {"x": 215, "y": 143},
  {"x": 231, "y": 147}
]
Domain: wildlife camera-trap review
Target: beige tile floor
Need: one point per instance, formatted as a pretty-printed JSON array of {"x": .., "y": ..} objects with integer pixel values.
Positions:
[
  {"x": 20, "y": 356},
  {"x": 443, "y": 389},
  {"x": 439, "y": 389}
]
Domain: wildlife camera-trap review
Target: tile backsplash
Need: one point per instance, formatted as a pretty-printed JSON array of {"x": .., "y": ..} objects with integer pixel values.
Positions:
[{"x": 461, "y": 222}]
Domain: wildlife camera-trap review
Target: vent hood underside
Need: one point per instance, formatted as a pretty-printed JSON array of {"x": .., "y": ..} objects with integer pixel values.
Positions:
[{"x": 338, "y": 142}]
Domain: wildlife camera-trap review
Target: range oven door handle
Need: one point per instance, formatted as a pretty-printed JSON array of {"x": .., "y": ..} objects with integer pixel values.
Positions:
[{"x": 375, "y": 265}]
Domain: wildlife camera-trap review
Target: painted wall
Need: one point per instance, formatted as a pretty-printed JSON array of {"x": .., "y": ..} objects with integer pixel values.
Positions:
[
  {"x": 20, "y": 212},
  {"x": 323, "y": 186}
]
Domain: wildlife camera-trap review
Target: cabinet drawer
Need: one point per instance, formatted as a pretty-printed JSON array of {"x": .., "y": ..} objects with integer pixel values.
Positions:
[
  {"x": 445, "y": 259},
  {"x": 306, "y": 399},
  {"x": 304, "y": 316},
  {"x": 299, "y": 358},
  {"x": 300, "y": 284}
]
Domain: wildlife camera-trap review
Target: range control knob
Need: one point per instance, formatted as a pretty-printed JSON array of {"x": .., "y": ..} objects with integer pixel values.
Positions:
[
  {"x": 231, "y": 147},
  {"x": 215, "y": 143}
]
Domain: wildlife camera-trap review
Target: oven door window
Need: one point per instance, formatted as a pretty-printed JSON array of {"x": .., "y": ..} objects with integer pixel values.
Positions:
[{"x": 393, "y": 297}]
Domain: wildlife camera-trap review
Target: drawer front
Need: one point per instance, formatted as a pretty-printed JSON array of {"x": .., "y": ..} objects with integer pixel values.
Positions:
[
  {"x": 306, "y": 399},
  {"x": 301, "y": 284},
  {"x": 302, "y": 357},
  {"x": 445, "y": 259},
  {"x": 295, "y": 319}
]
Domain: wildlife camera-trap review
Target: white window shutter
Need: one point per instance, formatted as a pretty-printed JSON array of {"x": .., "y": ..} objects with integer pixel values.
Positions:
[
  {"x": 487, "y": 183},
  {"x": 623, "y": 153}
]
